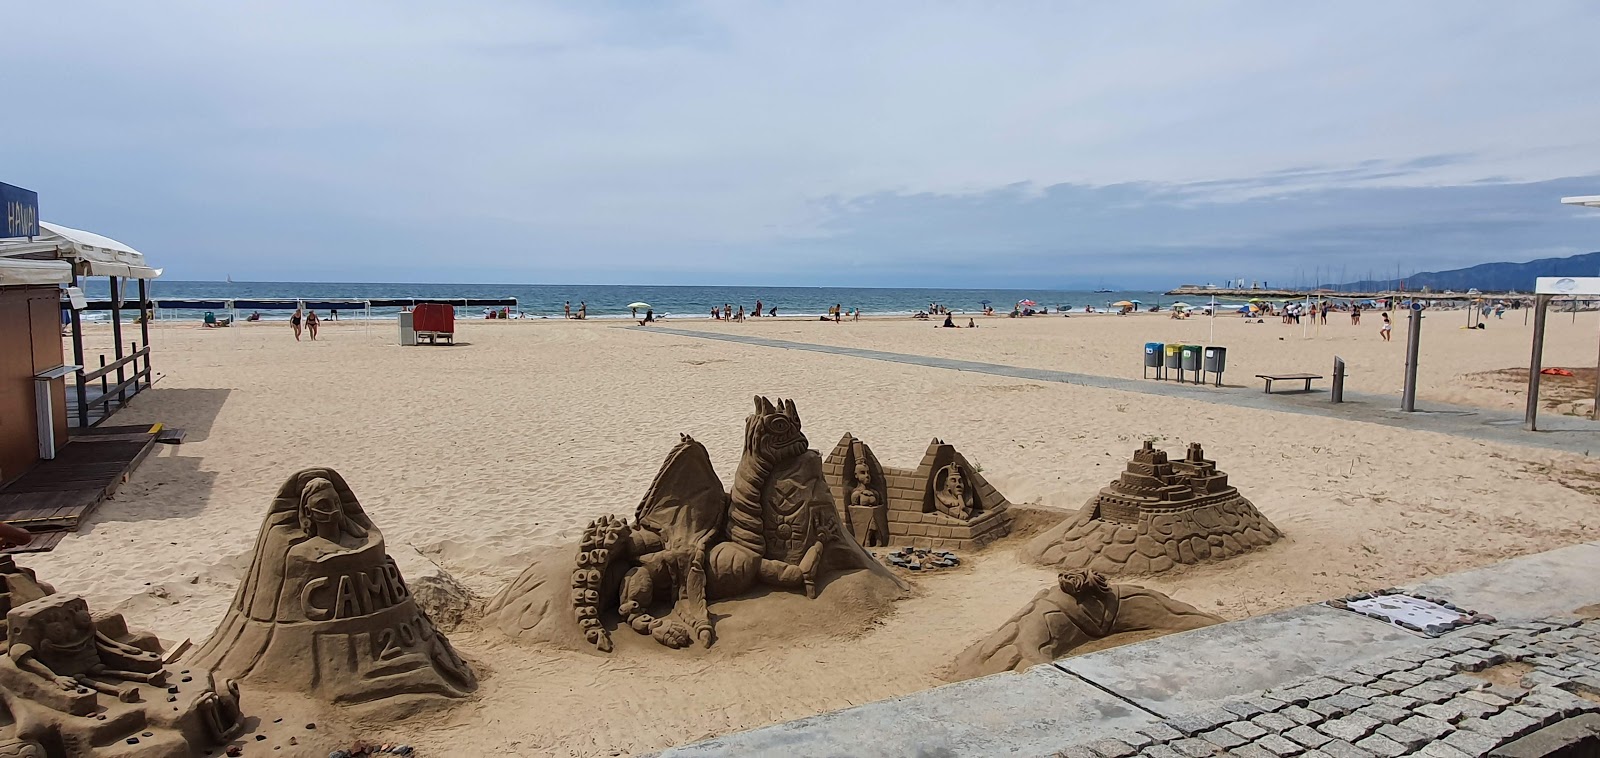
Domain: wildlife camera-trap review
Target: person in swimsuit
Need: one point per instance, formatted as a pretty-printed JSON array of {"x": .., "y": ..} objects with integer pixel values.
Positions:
[
  {"x": 1383, "y": 331},
  {"x": 294, "y": 323},
  {"x": 311, "y": 324}
]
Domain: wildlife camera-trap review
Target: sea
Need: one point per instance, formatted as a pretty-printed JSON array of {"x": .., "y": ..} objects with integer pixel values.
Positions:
[{"x": 612, "y": 301}]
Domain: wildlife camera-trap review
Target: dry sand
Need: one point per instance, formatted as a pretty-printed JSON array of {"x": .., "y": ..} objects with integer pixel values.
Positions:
[{"x": 480, "y": 454}]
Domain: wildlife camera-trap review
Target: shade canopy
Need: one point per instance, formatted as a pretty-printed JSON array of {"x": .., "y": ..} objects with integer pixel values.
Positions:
[
  {"x": 26, "y": 271},
  {"x": 95, "y": 255}
]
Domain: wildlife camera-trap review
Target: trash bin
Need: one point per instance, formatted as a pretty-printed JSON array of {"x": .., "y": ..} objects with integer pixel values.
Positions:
[
  {"x": 1191, "y": 358},
  {"x": 408, "y": 335},
  {"x": 1216, "y": 363},
  {"x": 1153, "y": 358},
  {"x": 1174, "y": 357}
]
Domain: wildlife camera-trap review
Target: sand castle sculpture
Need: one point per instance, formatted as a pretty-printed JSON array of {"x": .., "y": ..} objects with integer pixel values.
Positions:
[
  {"x": 691, "y": 543},
  {"x": 942, "y": 503},
  {"x": 74, "y": 684},
  {"x": 1156, "y": 515},
  {"x": 324, "y": 611},
  {"x": 1081, "y": 608}
]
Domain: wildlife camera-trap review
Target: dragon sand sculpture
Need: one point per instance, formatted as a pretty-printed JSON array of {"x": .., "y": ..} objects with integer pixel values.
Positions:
[{"x": 690, "y": 542}]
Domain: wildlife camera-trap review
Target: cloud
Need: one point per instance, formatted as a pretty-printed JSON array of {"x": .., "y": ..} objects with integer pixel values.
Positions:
[{"x": 536, "y": 141}]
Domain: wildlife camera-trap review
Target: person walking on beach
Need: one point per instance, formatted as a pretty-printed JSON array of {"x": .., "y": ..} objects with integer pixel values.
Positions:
[
  {"x": 838, "y": 311},
  {"x": 311, "y": 324},
  {"x": 1383, "y": 331},
  {"x": 294, "y": 323},
  {"x": 740, "y": 318},
  {"x": 758, "y": 309},
  {"x": 566, "y": 310},
  {"x": 1355, "y": 315}
]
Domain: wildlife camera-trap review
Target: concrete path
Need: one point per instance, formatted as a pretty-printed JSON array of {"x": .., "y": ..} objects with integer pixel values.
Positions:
[
  {"x": 1310, "y": 682},
  {"x": 1563, "y": 433}
]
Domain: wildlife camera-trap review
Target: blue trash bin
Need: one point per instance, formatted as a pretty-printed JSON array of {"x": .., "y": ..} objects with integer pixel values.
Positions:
[{"x": 1153, "y": 358}]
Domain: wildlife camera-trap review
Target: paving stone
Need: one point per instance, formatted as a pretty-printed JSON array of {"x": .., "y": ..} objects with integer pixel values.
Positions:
[
  {"x": 1350, "y": 728},
  {"x": 1342, "y": 749},
  {"x": 1397, "y": 701},
  {"x": 1510, "y": 652},
  {"x": 1404, "y": 677},
  {"x": 1307, "y": 736},
  {"x": 1160, "y": 732},
  {"x": 1224, "y": 738},
  {"x": 1246, "y": 729},
  {"x": 1202, "y": 720},
  {"x": 1446, "y": 712},
  {"x": 1538, "y": 713},
  {"x": 1279, "y": 746},
  {"x": 1111, "y": 748},
  {"x": 1465, "y": 682},
  {"x": 1077, "y": 751},
  {"x": 1274, "y": 722},
  {"x": 1349, "y": 701},
  {"x": 1353, "y": 677},
  {"x": 1431, "y": 692},
  {"x": 1453, "y": 645},
  {"x": 1411, "y": 740},
  {"x": 1503, "y": 726},
  {"x": 1513, "y": 694},
  {"x": 1321, "y": 687},
  {"x": 1160, "y": 751},
  {"x": 1194, "y": 748},
  {"x": 1391, "y": 686},
  {"x": 1138, "y": 740},
  {"x": 1565, "y": 702},
  {"x": 1541, "y": 679},
  {"x": 1468, "y": 661},
  {"x": 1590, "y": 683},
  {"x": 1363, "y": 691},
  {"x": 1474, "y": 709},
  {"x": 1434, "y": 670},
  {"x": 1251, "y": 751},
  {"x": 1326, "y": 708},
  {"x": 1382, "y": 746},
  {"x": 1245, "y": 709},
  {"x": 1375, "y": 668},
  {"x": 1487, "y": 698},
  {"x": 1471, "y": 742},
  {"x": 1315, "y": 754},
  {"x": 1384, "y": 713},
  {"x": 1429, "y": 728},
  {"x": 1302, "y": 715},
  {"x": 1440, "y": 750}
]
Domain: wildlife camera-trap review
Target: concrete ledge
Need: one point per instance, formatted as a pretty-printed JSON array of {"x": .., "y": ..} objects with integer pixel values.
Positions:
[
  {"x": 1530, "y": 587},
  {"x": 1036, "y": 713}
]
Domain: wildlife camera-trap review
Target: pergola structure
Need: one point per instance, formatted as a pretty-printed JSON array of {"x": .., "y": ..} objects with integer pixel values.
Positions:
[
  {"x": 91, "y": 255},
  {"x": 1546, "y": 289}
]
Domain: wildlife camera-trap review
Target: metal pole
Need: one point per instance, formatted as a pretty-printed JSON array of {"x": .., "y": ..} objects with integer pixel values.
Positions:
[
  {"x": 1594, "y": 413},
  {"x": 116, "y": 334},
  {"x": 1408, "y": 400},
  {"x": 77, "y": 360},
  {"x": 144, "y": 320},
  {"x": 1530, "y": 419}
]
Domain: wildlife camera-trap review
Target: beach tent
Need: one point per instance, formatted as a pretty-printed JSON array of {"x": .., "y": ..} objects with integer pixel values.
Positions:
[{"x": 95, "y": 255}]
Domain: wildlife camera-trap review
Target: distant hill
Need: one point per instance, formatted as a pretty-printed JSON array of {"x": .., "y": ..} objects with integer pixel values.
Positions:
[{"x": 1489, "y": 277}]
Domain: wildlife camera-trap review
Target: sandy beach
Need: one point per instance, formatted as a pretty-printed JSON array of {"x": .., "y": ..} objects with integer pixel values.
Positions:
[{"x": 481, "y": 455}]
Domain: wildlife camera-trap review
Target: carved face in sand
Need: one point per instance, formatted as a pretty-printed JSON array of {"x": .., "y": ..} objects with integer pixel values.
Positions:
[
  {"x": 322, "y": 513},
  {"x": 1082, "y": 583},
  {"x": 59, "y": 630},
  {"x": 953, "y": 496},
  {"x": 773, "y": 433},
  {"x": 863, "y": 474}
]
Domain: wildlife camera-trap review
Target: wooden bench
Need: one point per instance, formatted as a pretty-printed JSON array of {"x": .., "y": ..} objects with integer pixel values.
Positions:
[{"x": 1283, "y": 377}]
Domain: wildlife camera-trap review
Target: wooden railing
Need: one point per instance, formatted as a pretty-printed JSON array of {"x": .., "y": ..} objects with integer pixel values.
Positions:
[{"x": 130, "y": 378}]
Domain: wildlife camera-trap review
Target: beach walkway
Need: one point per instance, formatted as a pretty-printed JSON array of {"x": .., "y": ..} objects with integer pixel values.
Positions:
[
  {"x": 1309, "y": 681},
  {"x": 1568, "y": 434}
]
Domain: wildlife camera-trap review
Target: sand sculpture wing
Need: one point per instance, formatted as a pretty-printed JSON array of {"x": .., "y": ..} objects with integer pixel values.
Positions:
[{"x": 686, "y": 501}]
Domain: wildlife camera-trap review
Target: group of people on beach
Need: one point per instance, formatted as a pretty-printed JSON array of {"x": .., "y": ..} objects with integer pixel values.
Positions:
[
  {"x": 311, "y": 323},
  {"x": 583, "y": 310}
]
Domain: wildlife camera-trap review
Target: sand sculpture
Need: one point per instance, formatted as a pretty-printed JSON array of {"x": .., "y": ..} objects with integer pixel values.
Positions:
[
  {"x": 1081, "y": 608},
  {"x": 942, "y": 503},
  {"x": 74, "y": 686},
  {"x": 690, "y": 543},
  {"x": 1155, "y": 516},
  {"x": 324, "y": 611}
]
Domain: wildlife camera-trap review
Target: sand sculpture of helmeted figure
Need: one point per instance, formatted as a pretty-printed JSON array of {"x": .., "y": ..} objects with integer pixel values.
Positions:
[
  {"x": 691, "y": 542},
  {"x": 324, "y": 610},
  {"x": 68, "y": 684}
]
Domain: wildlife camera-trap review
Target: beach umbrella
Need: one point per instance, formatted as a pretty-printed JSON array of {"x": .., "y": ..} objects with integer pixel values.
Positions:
[
  {"x": 639, "y": 305},
  {"x": 1137, "y": 302},
  {"x": 1181, "y": 306},
  {"x": 1026, "y": 303},
  {"x": 984, "y": 302},
  {"x": 1122, "y": 304}
]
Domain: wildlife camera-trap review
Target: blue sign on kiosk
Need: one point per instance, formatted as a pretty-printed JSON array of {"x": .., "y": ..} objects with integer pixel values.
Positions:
[{"x": 20, "y": 210}]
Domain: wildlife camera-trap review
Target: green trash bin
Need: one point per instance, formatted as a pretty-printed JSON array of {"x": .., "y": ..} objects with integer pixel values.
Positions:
[{"x": 1192, "y": 360}]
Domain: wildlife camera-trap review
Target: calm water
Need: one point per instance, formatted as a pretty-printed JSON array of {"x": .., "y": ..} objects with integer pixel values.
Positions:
[{"x": 611, "y": 301}]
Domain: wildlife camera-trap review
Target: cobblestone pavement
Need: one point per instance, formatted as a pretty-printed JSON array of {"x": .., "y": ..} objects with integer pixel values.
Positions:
[{"x": 1465, "y": 695}]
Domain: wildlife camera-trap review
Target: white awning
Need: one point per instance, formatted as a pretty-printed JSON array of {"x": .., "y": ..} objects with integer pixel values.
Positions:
[
  {"x": 24, "y": 271},
  {"x": 95, "y": 255},
  {"x": 1593, "y": 201}
]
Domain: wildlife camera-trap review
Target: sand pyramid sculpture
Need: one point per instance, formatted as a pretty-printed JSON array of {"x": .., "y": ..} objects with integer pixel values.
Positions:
[
  {"x": 80, "y": 684},
  {"x": 323, "y": 611},
  {"x": 691, "y": 543},
  {"x": 1156, "y": 515},
  {"x": 942, "y": 503},
  {"x": 1080, "y": 609}
]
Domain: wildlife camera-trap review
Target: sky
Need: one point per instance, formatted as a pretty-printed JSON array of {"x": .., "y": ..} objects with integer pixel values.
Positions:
[{"x": 1061, "y": 144}]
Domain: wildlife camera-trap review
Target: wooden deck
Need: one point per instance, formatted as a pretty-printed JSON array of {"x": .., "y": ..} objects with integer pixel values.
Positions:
[{"x": 56, "y": 495}]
